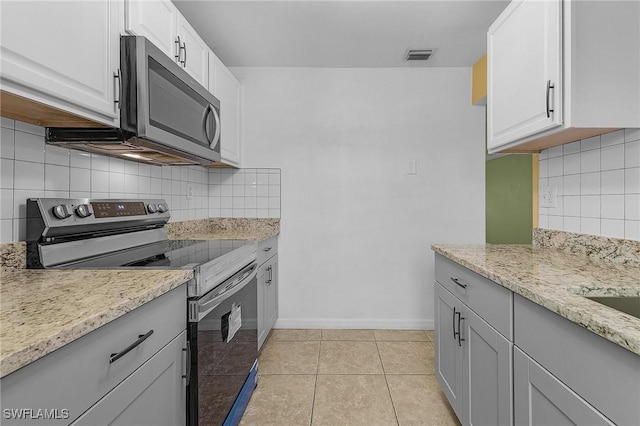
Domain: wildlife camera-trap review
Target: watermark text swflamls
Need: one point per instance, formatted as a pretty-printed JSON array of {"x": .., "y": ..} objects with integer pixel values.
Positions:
[{"x": 35, "y": 413}]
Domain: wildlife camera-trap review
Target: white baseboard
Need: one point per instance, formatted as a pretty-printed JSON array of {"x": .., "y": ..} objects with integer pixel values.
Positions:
[{"x": 339, "y": 323}]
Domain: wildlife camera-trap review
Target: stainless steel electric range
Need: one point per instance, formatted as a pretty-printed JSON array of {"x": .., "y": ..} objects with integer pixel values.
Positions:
[{"x": 222, "y": 338}]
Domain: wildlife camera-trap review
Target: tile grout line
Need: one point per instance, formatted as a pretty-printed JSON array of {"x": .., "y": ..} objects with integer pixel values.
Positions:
[{"x": 384, "y": 373}]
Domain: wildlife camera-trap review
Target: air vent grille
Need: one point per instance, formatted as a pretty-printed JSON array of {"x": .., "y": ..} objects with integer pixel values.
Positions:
[{"x": 418, "y": 55}]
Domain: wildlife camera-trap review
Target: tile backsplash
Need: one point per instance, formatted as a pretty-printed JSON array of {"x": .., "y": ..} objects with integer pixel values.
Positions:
[
  {"x": 598, "y": 185},
  {"x": 31, "y": 168}
]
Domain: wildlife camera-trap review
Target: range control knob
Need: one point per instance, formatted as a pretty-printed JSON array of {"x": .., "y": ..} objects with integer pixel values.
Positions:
[
  {"x": 83, "y": 210},
  {"x": 152, "y": 208},
  {"x": 61, "y": 211},
  {"x": 162, "y": 208}
]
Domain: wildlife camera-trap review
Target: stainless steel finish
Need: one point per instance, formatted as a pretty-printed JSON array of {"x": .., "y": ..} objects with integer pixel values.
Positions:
[
  {"x": 211, "y": 274},
  {"x": 198, "y": 309},
  {"x": 72, "y": 253},
  {"x": 141, "y": 338},
  {"x": 152, "y": 208},
  {"x": 157, "y": 123},
  {"x": 184, "y": 61},
  {"x": 216, "y": 136},
  {"x": 163, "y": 208}
]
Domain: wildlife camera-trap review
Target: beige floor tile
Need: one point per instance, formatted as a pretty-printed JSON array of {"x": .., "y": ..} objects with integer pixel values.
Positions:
[
  {"x": 289, "y": 358},
  {"x": 281, "y": 400},
  {"x": 400, "y": 336},
  {"x": 348, "y": 335},
  {"x": 348, "y": 357},
  {"x": 430, "y": 335},
  {"x": 407, "y": 357},
  {"x": 418, "y": 400},
  {"x": 352, "y": 400},
  {"x": 294, "y": 335}
]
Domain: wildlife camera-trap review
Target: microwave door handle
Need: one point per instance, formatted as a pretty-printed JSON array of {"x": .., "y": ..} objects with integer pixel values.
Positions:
[
  {"x": 205, "y": 120},
  {"x": 216, "y": 136}
]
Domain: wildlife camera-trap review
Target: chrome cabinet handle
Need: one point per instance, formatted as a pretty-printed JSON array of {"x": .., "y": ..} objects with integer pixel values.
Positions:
[
  {"x": 117, "y": 88},
  {"x": 184, "y": 62},
  {"x": 549, "y": 87},
  {"x": 187, "y": 374},
  {"x": 457, "y": 281},
  {"x": 178, "y": 48},
  {"x": 267, "y": 249},
  {"x": 141, "y": 338}
]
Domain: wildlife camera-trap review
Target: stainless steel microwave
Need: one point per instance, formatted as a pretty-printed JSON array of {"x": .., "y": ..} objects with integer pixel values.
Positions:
[{"x": 166, "y": 117}]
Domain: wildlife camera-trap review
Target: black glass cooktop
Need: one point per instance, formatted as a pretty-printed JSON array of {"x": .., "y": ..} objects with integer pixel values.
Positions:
[{"x": 183, "y": 253}]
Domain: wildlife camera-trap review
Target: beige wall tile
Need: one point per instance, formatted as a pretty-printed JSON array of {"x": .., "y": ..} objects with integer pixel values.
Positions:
[
  {"x": 352, "y": 400},
  {"x": 348, "y": 357},
  {"x": 348, "y": 335},
  {"x": 418, "y": 400},
  {"x": 281, "y": 400},
  {"x": 407, "y": 357},
  {"x": 289, "y": 358},
  {"x": 400, "y": 335}
]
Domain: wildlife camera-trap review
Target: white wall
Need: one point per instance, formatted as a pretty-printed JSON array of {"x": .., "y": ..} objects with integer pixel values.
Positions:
[
  {"x": 598, "y": 185},
  {"x": 356, "y": 228}
]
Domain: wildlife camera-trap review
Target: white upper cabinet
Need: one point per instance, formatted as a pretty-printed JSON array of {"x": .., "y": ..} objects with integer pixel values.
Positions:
[
  {"x": 63, "y": 55},
  {"x": 194, "y": 52},
  {"x": 227, "y": 89},
  {"x": 155, "y": 20},
  {"x": 560, "y": 71},
  {"x": 165, "y": 27}
]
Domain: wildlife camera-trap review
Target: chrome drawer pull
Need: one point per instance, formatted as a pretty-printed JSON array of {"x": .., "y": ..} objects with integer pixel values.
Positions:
[
  {"x": 141, "y": 338},
  {"x": 457, "y": 281},
  {"x": 267, "y": 249}
]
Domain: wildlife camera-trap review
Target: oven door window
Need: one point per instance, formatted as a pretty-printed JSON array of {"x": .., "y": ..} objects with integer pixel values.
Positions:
[{"x": 227, "y": 347}]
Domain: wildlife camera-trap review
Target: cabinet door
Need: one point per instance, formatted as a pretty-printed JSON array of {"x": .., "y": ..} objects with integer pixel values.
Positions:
[
  {"x": 155, "y": 394},
  {"x": 155, "y": 20},
  {"x": 487, "y": 373},
  {"x": 271, "y": 297},
  {"x": 541, "y": 399},
  {"x": 448, "y": 351},
  {"x": 227, "y": 89},
  {"x": 524, "y": 58},
  {"x": 194, "y": 53},
  {"x": 263, "y": 274},
  {"x": 63, "y": 54}
]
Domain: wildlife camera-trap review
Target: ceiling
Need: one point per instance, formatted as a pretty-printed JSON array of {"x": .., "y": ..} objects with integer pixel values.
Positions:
[{"x": 342, "y": 33}]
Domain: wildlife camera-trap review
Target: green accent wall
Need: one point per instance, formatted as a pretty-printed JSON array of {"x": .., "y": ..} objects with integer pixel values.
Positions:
[{"x": 509, "y": 200}]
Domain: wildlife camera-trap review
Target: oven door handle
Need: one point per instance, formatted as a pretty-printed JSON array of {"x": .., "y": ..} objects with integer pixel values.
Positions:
[{"x": 198, "y": 309}]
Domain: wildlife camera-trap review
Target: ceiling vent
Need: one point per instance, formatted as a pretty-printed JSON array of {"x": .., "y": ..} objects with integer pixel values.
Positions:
[{"x": 418, "y": 55}]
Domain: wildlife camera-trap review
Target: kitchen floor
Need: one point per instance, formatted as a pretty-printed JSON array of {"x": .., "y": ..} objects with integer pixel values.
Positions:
[{"x": 348, "y": 377}]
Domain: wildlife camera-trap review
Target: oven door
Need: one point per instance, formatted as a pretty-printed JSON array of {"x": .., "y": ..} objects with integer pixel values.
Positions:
[{"x": 223, "y": 339}]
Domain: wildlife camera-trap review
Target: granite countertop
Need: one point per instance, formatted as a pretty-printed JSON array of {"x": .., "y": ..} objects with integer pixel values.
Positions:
[
  {"x": 43, "y": 310},
  {"x": 559, "y": 281},
  {"x": 224, "y": 229}
]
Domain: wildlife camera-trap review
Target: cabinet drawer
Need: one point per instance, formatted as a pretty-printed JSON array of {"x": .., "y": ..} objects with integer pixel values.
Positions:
[
  {"x": 267, "y": 248},
  {"x": 603, "y": 373},
  {"x": 77, "y": 375},
  {"x": 489, "y": 300}
]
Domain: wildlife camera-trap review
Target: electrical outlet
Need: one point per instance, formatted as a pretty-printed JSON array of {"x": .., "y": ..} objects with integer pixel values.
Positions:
[
  {"x": 548, "y": 196},
  {"x": 189, "y": 192}
]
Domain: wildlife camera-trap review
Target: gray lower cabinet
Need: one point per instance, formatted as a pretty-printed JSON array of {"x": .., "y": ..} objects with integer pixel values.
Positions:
[
  {"x": 82, "y": 382},
  {"x": 267, "y": 287},
  {"x": 542, "y": 399},
  {"x": 153, "y": 395},
  {"x": 473, "y": 363}
]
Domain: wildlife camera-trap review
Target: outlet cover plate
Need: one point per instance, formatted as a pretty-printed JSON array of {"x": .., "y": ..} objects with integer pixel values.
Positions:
[{"x": 548, "y": 196}]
